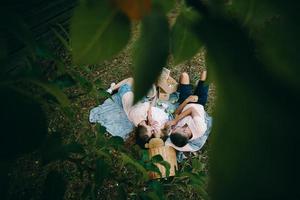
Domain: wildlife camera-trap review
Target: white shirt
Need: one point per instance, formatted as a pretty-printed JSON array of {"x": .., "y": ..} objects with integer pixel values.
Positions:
[{"x": 195, "y": 122}]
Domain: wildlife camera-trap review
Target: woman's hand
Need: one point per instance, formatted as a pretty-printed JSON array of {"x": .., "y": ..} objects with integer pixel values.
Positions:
[
  {"x": 193, "y": 98},
  {"x": 151, "y": 122}
]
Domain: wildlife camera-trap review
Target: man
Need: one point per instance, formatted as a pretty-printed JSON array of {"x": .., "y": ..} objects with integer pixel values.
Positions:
[{"x": 189, "y": 123}]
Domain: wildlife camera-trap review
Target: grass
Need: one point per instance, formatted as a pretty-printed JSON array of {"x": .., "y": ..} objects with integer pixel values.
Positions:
[{"x": 28, "y": 174}]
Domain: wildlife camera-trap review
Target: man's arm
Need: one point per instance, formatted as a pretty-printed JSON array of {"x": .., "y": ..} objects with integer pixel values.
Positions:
[
  {"x": 191, "y": 98},
  {"x": 185, "y": 113}
]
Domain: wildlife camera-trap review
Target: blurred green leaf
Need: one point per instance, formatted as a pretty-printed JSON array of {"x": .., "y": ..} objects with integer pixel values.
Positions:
[
  {"x": 157, "y": 158},
  {"x": 101, "y": 129},
  {"x": 83, "y": 82},
  {"x": 32, "y": 70},
  {"x": 145, "y": 155},
  {"x": 63, "y": 41},
  {"x": 167, "y": 166},
  {"x": 197, "y": 165},
  {"x": 128, "y": 160},
  {"x": 43, "y": 51},
  {"x": 73, "y": 147},
  {"x": 157, "y": 187},
  {"x": 104, "y": 94},
  {"x": 116, "y": 141},
  {"x": 64, "y": 81},
  {"x": 54, "y": 187},
  {"x": 184, "y": 43},
  {"x": 150, "y": 196},
  {"x": 64, "y": 31},
  {"x": 19, "y": 29},
  {"x": 86, "y": 192},
  {"x": 53, "y": 149},
  {"x": 53, "y": 90},
  {"x": 102, "y": 171},
  {"x": 122, "y": 194},
  {"x": 152, "y": 167},
  {"x": 165, "y": 5},
  {"x": 98, "y": 31},
  {"x": 23, "y": 124},
  {"x": 151, "y": 52},
  {"x": 252, "y": 12}
]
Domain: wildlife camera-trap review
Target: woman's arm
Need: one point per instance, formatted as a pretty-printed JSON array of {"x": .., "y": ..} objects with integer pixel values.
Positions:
[{"x": 129, "y": 81}]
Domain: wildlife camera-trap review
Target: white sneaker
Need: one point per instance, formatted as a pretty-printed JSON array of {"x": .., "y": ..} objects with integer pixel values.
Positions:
[{"x": 110, "y": 90}]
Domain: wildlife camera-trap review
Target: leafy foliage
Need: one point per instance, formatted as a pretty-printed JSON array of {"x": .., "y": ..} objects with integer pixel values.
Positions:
[
  {"x": 252, "y": 52},
  {"x": 151, "y": 52},
  {"x": 23, "y": 123},
  {"x": 98, "y": 31},
  {"x": 184, "y": 43},
  {"x": 54, "y": 187}
]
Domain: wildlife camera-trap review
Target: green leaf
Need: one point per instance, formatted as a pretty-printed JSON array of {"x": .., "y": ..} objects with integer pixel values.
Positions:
[
  {"x": 63, "y": 30},
  {"x": 167, "y": 167},
  {"x": 98, "y": 31},
  {"x": 53, "y": 90},
  {"x": 145, "y": 155},
  {"x": 151, "y": 52},
  {"x": 86, "y": 192},
  {"x": 102, "y": 171},
  {"x": 116, "y": 141},
  {"x": 253, "y": 12},
  {"x": 157, "y": 158},
  {"x": 64, "y": 81},
  {"x": 157, "y": 187},
  {"x": 101, "y": 129},
  {"x": 150, "y": 196},
  {"x": 128, "y": 160},
  {"x": 53, "y": 148},
  {"x": 73, "y": 147},
  {"x": 104, "y": 94},
  {"x": 23, "y": 124},
  {"x": 197, "y": 165},
  {"x": 165, "y": 5},
  {"x": 152, "y": 167},
  {"x": 55, "y": 187},
  {"x": 83, "y": 82},
  {"x": 184, "y": 43},
  {"x": 63, "y": 41},
  {"x": 122, "y": 194}
]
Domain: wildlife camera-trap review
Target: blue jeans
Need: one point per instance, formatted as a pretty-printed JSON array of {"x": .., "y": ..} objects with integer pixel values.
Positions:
[{"x": 124, "y": 89}]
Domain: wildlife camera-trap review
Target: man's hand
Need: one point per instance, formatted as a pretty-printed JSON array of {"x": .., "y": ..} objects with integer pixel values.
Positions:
[
  {"x": 171, "y": 123},
  {"x": 193, "y": 98}
]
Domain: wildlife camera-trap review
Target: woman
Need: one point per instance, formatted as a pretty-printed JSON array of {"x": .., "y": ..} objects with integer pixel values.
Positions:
[{"x": 148, "y": 119}]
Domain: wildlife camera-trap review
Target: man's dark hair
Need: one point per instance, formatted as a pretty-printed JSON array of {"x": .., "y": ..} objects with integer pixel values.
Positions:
[
  {"x": 141, "y": 136},
  {"x": 178, "y": 139},
  {"x": 165, "y": 134}
]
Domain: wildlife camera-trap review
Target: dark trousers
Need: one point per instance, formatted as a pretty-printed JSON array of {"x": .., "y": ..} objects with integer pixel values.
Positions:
[{"x": 186, "y": 90}]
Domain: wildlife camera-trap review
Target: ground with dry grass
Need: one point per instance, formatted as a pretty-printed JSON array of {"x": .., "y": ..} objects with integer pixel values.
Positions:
[{"x": 28, "y": 172}]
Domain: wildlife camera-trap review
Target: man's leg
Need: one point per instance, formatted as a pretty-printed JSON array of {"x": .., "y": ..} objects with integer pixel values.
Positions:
[
  {"x": 185, "y": 89},
  {"x": 202, "y": 89}
]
